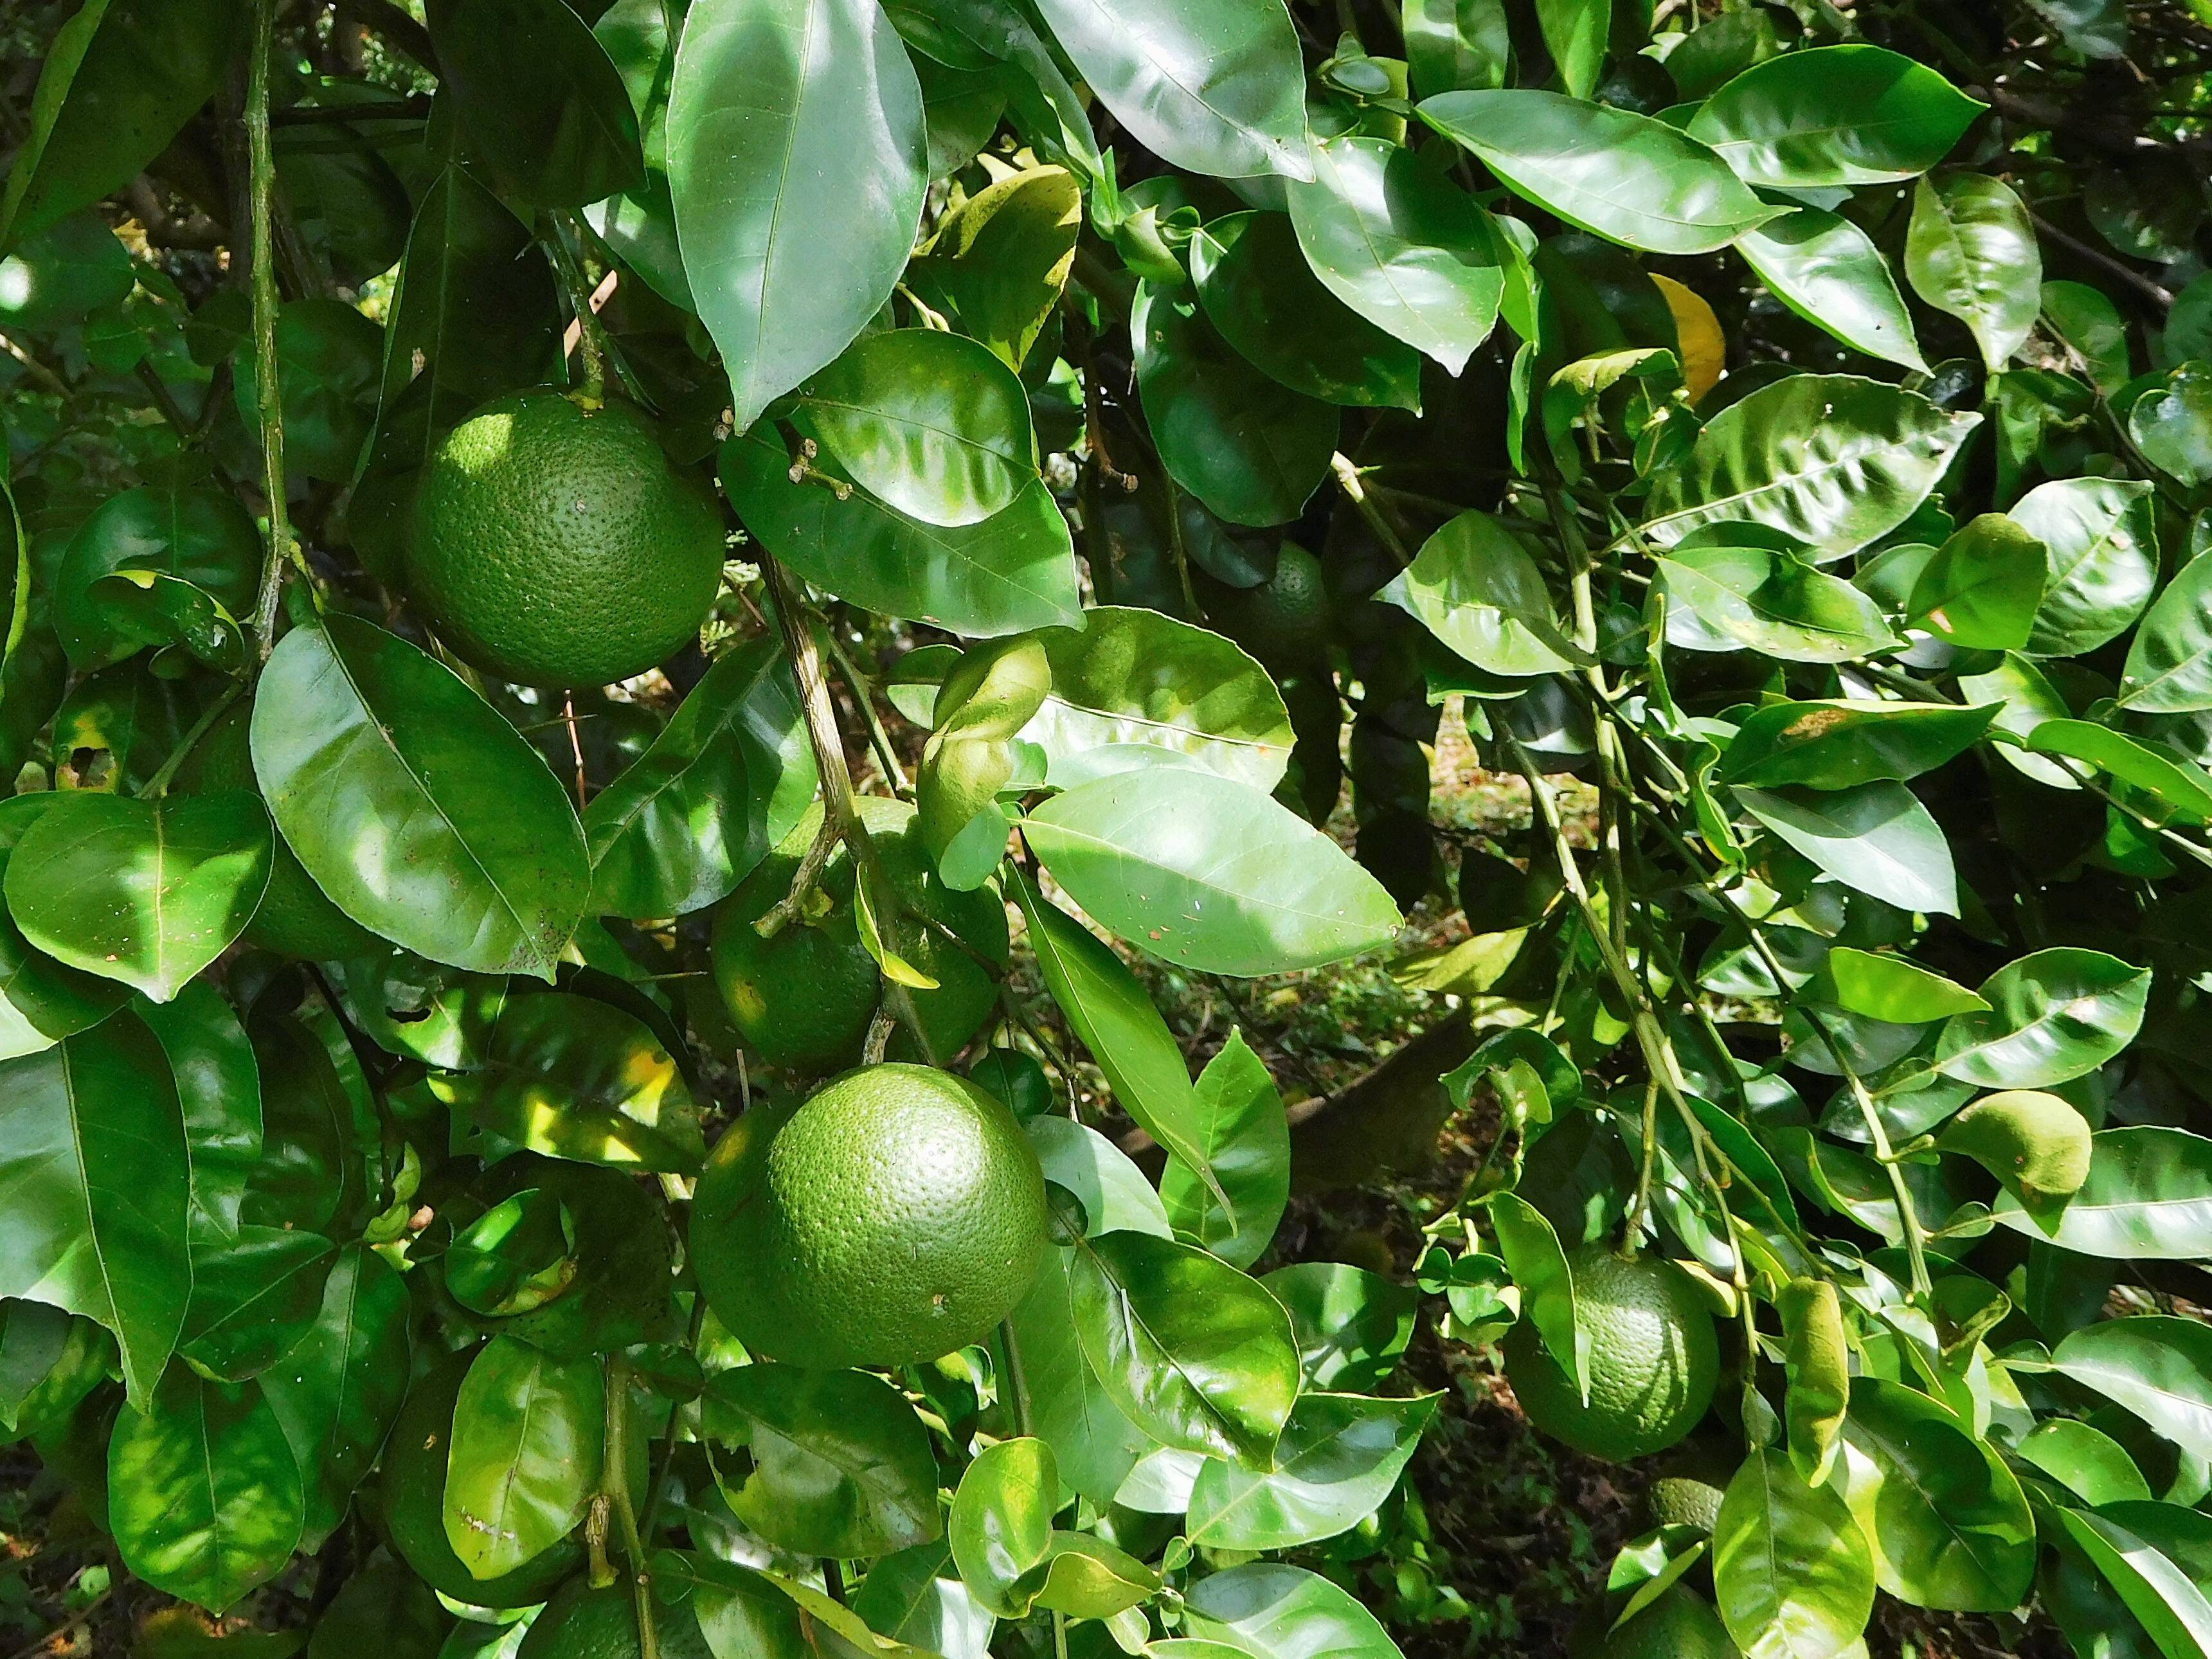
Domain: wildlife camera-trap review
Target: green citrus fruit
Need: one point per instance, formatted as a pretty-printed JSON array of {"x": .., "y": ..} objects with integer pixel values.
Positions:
[
  {"x": 1683, "y": 1500},
  {"x": 414, "y": 1488},
  {"x": 295, "y": 918},
  {"x": 1653, "y": 1358},
  {"x": 1286, "y": 617},
  {"x": 1679, "y": 1624},
  {"x": 805, "y": 998},
  {"x": 583, "y": 1623},
  {"x": 897, "y": 1215},
  {"x": 556, "y": 546}
]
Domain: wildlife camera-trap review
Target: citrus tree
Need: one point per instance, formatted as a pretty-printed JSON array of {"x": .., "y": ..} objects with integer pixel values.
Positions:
[{"x": 635, "y": 630}]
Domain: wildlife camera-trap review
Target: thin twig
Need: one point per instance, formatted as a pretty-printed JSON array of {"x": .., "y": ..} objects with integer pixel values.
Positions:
[{"x": 614, "y": 1481}]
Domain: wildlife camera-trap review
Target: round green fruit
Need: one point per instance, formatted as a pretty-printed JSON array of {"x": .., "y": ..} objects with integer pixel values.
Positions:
[
  {"x": 295, "y": 917},
  {"x": 583, "y": 1623},
  {"x": 897, "y": 1215},
  {"x": 1653, "y": 1358},
  {"x": 414, "y": 1488},
  {"x": 1286, "y": 617},
  {"x": 1679, "y": 1624},
  {"x": 804, "y": 999},
  {"x": 555, "y": 545}
]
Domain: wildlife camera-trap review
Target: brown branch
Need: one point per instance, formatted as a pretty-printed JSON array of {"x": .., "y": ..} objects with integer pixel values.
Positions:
[{"x": 2149, "y": 292}]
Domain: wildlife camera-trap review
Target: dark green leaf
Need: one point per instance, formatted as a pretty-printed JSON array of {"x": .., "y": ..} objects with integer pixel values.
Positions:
[
  {"x": 2053, "y": 1015},
  {"x": 1475, "y": 587},
  {"x": 1828, "y": 270},
  {"x": 1971, "y": 251},
  {"x": 524, "y": 1457},
  {"x": 1837, "y": 745},
  {"x": 2099, "y": 536},
  {"x": 1984, "y": 587},
  {"x": 1351, "y": 1325},
  {"x": 1875, "y": 838},
  {"x": 560, "y": 133},
  {"x": 1791, "y": 1570},
  {"x": 1835, "y": 115},
  {"x": 253, "y": 1299},
  {"x": 416, "y": 808},
  {"x": 2169, "y": 669}
]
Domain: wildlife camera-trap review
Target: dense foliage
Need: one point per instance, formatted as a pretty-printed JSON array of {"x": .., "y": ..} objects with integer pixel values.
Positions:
[{"x": 1781, "y": 433}]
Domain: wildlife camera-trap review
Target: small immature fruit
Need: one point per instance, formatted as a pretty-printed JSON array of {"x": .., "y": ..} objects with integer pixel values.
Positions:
[
  {"x": 1286, "y": 617},
  {"x": 2033, "y": 1142},
  {"x": 895, "y": 1216},
  {"x": 556, "y": 546},
  {"x": 1653, "y": 1358},
  {"x": 1679, "y": 1624},
  {"x": 583, "y": 1623},
  {"x": 804, "y": 998}
]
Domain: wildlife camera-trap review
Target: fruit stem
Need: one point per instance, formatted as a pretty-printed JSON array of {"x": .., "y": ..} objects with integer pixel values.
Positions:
[
  {"x": 1347, "y": 472},
  {"x": 591, "y": 339},
  {"x": 614, "y": 1485},
  {"x": 840, "y": 817},
  {"x": 269, "y": 393}
]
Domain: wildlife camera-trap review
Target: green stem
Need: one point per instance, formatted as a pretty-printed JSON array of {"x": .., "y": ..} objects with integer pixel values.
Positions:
[
  {"x": 268, "y": 388},
  {"x": 614, "y": 1482},
  {"x": 158, "y": 785},
  {"x": 591, "y": 339}
]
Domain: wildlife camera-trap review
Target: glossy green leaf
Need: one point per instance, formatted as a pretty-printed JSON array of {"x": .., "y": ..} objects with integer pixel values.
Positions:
[
  {"x": 1071, "y": 1407},
  {"x": 1792, "y": 1572},
  {"x": 2090, "y": 322},
  {"x": 2099, "y": 536},
  {"x": 1114, "y": 1191},
  {"x": 1000, "y": 1525},
  {"x": 1575, "y": 33},
  {"x": 1133, "y": 688},
  {"x": 1218, "y": 88},
  {"x": 779, "y": 110},
  {"x": 329, "y": 357},
  {"x": 576, "y": 1078},
  {"x": 2169, "y": 668},
  {"x": 1830, "y": 460},
  {"x": 2165, "y": 1597},
  {"x": 1267, "y": 301},
  {"x": 1475, "y": 586},
  {"x": 418, "y": 810},
  {"x": 515, "y": 1257},
  {"x": 1087, "y": 1578},
  {"x": 999, "y": 259},
  {"x": 840, "y": 1464},
  {"x": 1875, "y": 838},
  {"x": 42, "y": 1000},
  {"x": 1537, "y": 1261},
  {"x": 1949, "y": 1525},
  {"x": 252, "y": 1298},
  {"x": 118, "y": 80},
  {"x": 562, "y": 134},
  {"x": 1401, "y": 246},
  {"x": 931, "y": 424},
  {"x": 1971, "y": 251},
  {"x": 1834, "y": 115},
  {"x": 49, "y": 1361},
  {"x": 2171, "y": 424},
  {"x": 93, "y": 1144},
  {"x": 194, "y": 531},
  {"x": 1247, "y": 1141},
  {"x": 2086, "y": 1461},
  {"x": 1894, "y": 988},
  {"x": 524, "y": 1460},
  {"x": 1770, "y": 602},
  {"x": 2054, "y": 1015},
  {"x": 146, "y": 892},
  {"x": 1984, "y": 587},
  {"x": 1247, "y": 446},
  {"x": 915, "y": 1596},
  {"x": 728, "y": 778},
  {"x": 1205, "y": 871},
  {"x": 1350, "y": 1325},
  {"x": 1108, "y": 1009},
  {"x": 1013, "y": 571},
  {"x": 1267, "y": 1610},
  {"x": 1195, "y": 1353},
  {"x": 1829, "y": 271},
  {"x": 2178, "y": 785},
  {"x": 2156, "y": 1365},
  {"x": 2147, "y": 1195},
  {"x": 1340, "y": 1455},
  {"x": 1623, "y": 176},
  {"x": 1837, "y": 745},
  {"x": 320, "y": 1126},
  {"x": 1456, "y": 46},
  {"x": 203, "y": 1493},
  {"x": 339, "y": 1388}
]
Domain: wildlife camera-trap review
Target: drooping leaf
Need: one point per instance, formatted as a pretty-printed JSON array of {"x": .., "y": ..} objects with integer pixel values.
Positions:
[
  {"x": 1792, "y": 1572},
  {"x": 1206, "y": 872},
  {"x": 777, "y": 110},
  {"x": 1626, "y": 177},
  {"x": 1475, "y": 587},
  {"x": 1875, "y": 838},
  {"x": 93, "y": 1144},
  {"x": 1971, "y": 251},
  {"x": 420, "y": 812},
  {"x": 1247, "y": 1147},
  {"x": 1828, "y": 270},
  {"x": 727, "y": 779}
]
